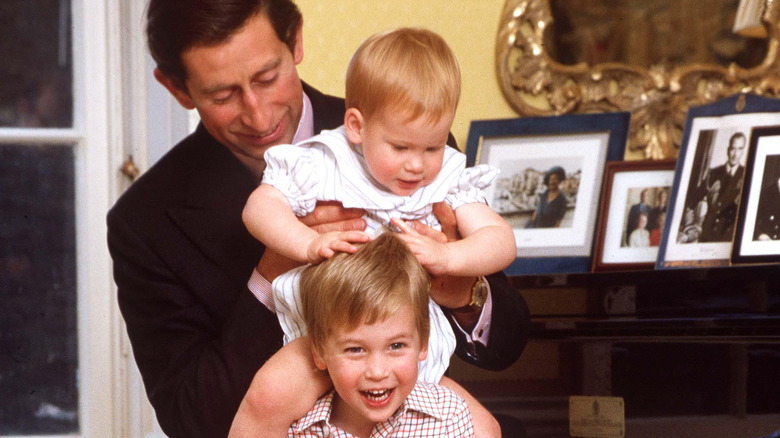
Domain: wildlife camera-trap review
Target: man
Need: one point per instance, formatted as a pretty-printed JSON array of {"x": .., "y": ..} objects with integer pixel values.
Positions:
[
  {"x": 723, "y": 203},
  {"x": 182, "y": 257},
  {"x": 658, "y": 212},
  {"x": 640, "y": 208}
]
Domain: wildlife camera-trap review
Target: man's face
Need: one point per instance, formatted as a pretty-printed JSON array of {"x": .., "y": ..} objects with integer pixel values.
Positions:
[
  {"x": 736, "y": 147},
  {"x": 246, "y": 90}
]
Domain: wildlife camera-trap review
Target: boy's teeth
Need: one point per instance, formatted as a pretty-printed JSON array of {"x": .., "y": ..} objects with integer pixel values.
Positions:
[{"x": 377, "y": 394}]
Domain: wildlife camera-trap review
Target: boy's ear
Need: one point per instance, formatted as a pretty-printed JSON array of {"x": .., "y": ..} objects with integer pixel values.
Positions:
[
  {"x": 423, "y": 352},
  {"x": 318, "y": 362},
  {"x": 354, "y": 123},
  {"x": 182, "y": 96}
]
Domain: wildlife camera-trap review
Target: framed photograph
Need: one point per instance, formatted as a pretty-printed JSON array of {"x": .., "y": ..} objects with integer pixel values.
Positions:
[
  {"x": 550, "y": 182},
  {"x": 757, "y": 238},
  {"x": 709, "y": 179},
  {"x": 632, "y": 216}
]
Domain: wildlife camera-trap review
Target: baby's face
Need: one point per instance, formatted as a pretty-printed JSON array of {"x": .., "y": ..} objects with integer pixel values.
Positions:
[
  {"x": 373, "y": 368},
  {"x": 404, "y": 155}
]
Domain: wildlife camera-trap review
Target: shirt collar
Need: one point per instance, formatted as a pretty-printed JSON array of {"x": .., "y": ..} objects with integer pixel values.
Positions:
[
  {"x": 421, "y": 400},
  {"x": 306, "y": 125},
  {"x": 418, "y": 400},
  {"x": 320, "y": 413}
]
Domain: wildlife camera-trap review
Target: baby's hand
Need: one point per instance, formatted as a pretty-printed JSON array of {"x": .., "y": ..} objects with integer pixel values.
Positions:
[
  {"x": 326, "y": 245},
  {"x": 433, "y": 255}
]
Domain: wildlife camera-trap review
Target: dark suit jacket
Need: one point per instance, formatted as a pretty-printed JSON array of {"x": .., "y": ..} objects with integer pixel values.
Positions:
[{"x": 182, "y": 258}]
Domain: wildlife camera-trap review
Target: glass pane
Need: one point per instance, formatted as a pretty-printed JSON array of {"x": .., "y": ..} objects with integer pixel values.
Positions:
[
  {"x": 35, "y": 72},
  {"x": 644, "y": 33},
  {"x": 38, "y": 349}
]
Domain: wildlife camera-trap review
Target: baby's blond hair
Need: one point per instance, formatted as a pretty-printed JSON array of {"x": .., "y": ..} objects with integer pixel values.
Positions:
[{"x": 410, "y": 70}]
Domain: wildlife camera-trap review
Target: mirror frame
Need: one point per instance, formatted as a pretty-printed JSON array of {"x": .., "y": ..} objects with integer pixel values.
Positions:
[{"x": 658, "y": 97}]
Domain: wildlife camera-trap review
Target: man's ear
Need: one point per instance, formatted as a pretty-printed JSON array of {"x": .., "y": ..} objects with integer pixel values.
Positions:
[
  {"x": 298, "y": 49},
  {"x": 318, "y": 361},
  {"x": 182, "y": 96},
  {"x": 353, "y": 122}
]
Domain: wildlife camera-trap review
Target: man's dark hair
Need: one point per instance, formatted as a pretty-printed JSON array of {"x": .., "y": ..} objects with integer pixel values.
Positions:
[
  {"x": 736, "y": 136},
  {"x": 173, "y": 26}
]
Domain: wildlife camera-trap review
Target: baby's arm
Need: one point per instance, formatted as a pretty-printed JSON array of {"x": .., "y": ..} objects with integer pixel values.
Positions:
[
  {"x": 488, "y": 244},
  {"x": 269, "y": 218}
]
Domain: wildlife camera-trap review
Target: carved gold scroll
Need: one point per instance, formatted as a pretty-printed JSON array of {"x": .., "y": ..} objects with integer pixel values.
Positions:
[{"x": 658, "y": 96}]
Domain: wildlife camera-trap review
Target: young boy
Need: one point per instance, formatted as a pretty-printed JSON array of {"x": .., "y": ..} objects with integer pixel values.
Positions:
[{"x": 368, "y": 322}]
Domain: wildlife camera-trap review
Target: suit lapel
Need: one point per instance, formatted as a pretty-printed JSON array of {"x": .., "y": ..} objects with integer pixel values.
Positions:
[
  {"x": 218, "y": 187},
  {"x": 210, "y": 216}
]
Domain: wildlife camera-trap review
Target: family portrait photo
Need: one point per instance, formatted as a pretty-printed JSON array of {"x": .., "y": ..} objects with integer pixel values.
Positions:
[
  {"x": 646, "y": 215},
  {"x": 633, "y": 214}
]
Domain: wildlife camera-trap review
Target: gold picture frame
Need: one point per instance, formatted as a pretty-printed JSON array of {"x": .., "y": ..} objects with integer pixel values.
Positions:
[{"x": 535, "y": 84}]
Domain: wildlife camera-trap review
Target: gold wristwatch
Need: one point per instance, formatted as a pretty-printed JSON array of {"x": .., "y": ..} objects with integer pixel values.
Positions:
[{"x": 478, "y": 297}]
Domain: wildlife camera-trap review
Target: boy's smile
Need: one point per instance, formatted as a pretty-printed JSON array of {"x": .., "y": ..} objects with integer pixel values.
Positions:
[{"x": 373, "y": 368}]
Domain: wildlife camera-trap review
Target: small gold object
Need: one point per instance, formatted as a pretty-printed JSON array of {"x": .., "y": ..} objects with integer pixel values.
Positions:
[
  {"x": 129, "y": 169},
  {"x": 597, "y": 417}
]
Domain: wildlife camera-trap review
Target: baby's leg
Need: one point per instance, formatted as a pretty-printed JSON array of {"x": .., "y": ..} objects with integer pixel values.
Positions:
[
  {"x": 441, "y": 346},
  {"x": 287, "y": 300}
]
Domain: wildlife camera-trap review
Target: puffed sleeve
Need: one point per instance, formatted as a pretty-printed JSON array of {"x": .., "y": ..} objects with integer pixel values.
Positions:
[
  {"x": 470, "y": 185},
  {"x": 294, "y": 171}
]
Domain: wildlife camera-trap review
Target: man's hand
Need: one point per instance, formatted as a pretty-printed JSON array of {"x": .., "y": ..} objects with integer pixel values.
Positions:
[
  {"x": 332, "y": 216},
  {"x": 327, "y": 216}
]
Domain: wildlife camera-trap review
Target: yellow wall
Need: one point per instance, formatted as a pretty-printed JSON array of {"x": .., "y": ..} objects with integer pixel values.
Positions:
[{"x": 333, "y": 30}]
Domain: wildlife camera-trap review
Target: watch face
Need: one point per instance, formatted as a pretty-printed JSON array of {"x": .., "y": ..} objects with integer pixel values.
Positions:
[{"x": 480, "y": 293}]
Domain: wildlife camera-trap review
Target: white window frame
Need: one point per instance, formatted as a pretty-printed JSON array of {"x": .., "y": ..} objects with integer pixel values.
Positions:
[
  {"x": 149, "y": 124},
  {"x": 119, "y": 111},
  {"x": 96, "y": 138}
]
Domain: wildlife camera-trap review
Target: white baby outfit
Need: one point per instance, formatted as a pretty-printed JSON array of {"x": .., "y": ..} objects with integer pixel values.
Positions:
[{"x": 327, "y": 168}]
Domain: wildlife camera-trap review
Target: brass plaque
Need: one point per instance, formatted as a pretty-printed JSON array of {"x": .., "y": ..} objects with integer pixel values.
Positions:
[{"x": 597, "y": 417}]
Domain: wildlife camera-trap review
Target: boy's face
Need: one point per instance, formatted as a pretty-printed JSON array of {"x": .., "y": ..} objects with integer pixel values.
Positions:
[
  {"x": 401, "y": 155},
  {"x": 373, "y": 368}
]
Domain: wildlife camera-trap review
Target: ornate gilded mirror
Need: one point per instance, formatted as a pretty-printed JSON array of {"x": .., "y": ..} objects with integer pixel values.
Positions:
[{"x": 694, "y": 62}]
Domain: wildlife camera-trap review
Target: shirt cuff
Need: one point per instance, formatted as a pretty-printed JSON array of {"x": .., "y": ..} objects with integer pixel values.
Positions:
[
  {"x": 261, "y": 289},
  {"x": 481, "y": 332}
]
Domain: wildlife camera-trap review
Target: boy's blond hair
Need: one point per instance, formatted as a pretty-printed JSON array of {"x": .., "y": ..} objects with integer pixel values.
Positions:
[
  {"x": 348, "y": 290},
  {"x": 410, "y": 70}
]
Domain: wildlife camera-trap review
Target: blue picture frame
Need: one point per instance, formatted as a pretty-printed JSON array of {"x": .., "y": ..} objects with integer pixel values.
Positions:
[
  {"x": 705, "y": 143},
  {"x": 523, "y": 149}
]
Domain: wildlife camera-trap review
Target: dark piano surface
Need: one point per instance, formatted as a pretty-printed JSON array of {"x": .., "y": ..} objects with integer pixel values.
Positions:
[{"x": 731, "y": 302}]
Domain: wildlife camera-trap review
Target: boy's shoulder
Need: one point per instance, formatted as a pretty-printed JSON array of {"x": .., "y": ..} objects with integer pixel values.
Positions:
[{"x": 434, "y": 399}]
